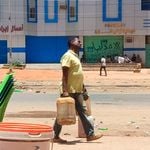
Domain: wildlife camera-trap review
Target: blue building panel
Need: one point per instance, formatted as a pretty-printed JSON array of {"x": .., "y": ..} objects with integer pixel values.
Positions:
[
  {"x": 18, "y": 49},
  {"x": 3, "y": 52},
  {"x": 134, "y": 49},
  {"x": 44, "y": 49}
]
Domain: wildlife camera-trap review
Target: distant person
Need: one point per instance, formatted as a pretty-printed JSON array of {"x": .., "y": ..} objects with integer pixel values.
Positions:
[
  {"x": 127, "y": 59},
  {"x": 133, "y": 59},
  {"x": 103, "y": 65},
  {"x": 138, "y": 59},
  {"x": 72, "y": 85},
  {"x": 108, "y": 59},
  {"x": 116, "y": 59}
]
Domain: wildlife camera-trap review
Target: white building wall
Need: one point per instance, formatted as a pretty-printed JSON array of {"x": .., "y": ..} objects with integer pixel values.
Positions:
[
  {"x": 139, "y": 19},
  {"x": 42, "y": 27},
  {"x": 138, "y": 42},
  {"x": 62, "y": 19},
  {"x": 12, "y": 15},
  {"x": 85, "y": 25},
  {"x": 12, "y": 18},
  {"x": 52, "y": 29},
  {"x": 90, "y": 18},
  {"x": 30, "y": 28},
  {"x": 90, "y": 22}
]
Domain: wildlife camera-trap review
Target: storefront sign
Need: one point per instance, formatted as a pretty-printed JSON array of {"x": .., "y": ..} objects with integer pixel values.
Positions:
[
  {"x": 115, "y": 28},
  {"x": 12, "y": 28}
]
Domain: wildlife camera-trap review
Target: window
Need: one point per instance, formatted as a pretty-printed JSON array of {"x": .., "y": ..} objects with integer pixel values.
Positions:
[
  {"x": 51, "y": 11},
  {"x": 72, "y": 10},
  {"x": 112, "y": 11},
  {"x": 129, "y": 39},
  {"x": 145, "y": 4},
  {"x": 32, "y": 11}
]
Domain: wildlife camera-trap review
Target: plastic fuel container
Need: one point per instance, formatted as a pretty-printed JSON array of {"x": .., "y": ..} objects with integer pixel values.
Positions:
[{"x": 66, "y": 114}]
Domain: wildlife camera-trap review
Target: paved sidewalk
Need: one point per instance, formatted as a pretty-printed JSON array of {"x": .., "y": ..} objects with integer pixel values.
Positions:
[
  {"x": 107, "y": 143},
  {"x": 42, "y": 104}
]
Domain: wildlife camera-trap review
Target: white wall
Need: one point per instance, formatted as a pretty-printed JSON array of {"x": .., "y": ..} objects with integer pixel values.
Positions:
[
  {"x": 90, "y": 19},
  {"x": 12, "y": 15},
  {"x": 138, "y": 42}
]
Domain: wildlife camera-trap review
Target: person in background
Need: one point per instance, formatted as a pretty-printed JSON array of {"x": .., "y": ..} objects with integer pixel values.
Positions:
[
  {"x": 133, "y": 59},
  {"x": 72, "y": 85},
  {"x": 138, "y": 59},
  {"x": 127, "y": 59},
  {"x": 103, "y": 66}
]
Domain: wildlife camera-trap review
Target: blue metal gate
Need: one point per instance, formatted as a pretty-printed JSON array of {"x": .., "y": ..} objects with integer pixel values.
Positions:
[
  {"x": 44, "y": 49},
  {"x": 3, "y": 52}
]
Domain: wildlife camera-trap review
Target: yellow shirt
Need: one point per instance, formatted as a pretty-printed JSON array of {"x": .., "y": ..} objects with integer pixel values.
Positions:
[{"x": 75, "y": 76}]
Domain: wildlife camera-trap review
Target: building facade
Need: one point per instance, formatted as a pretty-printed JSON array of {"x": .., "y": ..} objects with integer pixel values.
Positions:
[{"x": 37, "y": 31}]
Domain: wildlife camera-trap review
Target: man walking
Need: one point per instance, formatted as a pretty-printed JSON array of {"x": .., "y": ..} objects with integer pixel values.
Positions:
[
  {"x": 103, "y": 66},
  {"x": 72, "y": 85}
]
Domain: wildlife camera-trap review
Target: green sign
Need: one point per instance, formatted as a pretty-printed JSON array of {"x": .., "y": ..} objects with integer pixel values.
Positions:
[{"x": 95, "y": 47}]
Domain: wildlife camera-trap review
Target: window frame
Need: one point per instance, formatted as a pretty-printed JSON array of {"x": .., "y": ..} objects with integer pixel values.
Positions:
[
  {"x": 55, "y": 18},
  {"x": 118, "y": 18},
  {"x": 73, "y": 18},
  {"x": 29, "y": 19},
  {"x": 145, "y": 5}
]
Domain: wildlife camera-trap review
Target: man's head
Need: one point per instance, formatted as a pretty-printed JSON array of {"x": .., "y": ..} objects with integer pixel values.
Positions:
[{"x": 74, "y": 43}]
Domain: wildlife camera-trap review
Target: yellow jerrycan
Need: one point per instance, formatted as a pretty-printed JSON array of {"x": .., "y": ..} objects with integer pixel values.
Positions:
[{"x": 66, "y": 114}]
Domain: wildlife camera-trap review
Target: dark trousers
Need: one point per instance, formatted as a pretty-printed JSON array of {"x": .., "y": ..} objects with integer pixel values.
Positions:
[
  {"x": 88, "y": 128},
  {"x": 103, "y": 68}
]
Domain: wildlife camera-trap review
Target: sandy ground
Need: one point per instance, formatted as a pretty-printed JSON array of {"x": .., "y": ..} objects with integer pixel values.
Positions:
[
  {"x": 124, "y": 125},
  {"x": 116, "y": 81}
]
